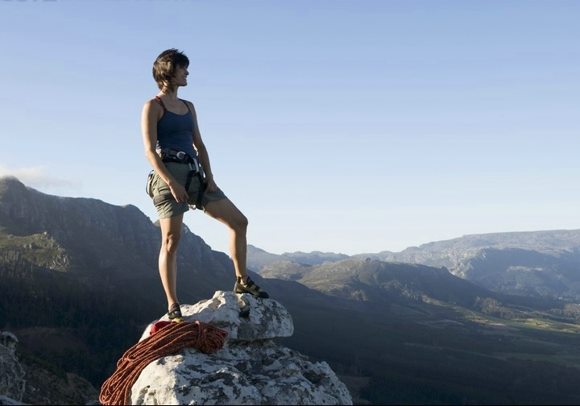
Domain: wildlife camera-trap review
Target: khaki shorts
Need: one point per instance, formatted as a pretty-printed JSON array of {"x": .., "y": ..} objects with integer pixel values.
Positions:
[{"x": 168, "y": 207}]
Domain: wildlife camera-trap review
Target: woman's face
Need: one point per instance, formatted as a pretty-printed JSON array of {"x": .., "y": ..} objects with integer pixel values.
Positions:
[{"x": 180, "y": 77}]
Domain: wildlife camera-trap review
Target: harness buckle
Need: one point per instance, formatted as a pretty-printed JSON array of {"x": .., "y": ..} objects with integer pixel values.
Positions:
[{"x": 193, "y": 165}]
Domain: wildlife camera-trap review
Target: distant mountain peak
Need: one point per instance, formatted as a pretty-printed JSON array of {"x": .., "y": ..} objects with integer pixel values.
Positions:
[
  {"x": 11, "y": 184},
  {"x": 258, "y": 258}
]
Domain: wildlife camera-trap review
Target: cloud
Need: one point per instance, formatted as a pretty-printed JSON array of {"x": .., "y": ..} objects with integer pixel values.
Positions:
[{"x": 38, "y": 177}]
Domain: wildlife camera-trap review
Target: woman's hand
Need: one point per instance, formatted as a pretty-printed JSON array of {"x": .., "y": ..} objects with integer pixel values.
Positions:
[
  {"x": 211, "y": 185},
  {"x": 178, "y": 192}
]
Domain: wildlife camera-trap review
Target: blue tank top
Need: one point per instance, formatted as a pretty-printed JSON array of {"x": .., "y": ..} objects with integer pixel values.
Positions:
[{"x": 175, "y": 131}]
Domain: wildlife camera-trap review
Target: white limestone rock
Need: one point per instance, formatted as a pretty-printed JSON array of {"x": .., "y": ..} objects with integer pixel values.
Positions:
[
  {"x": 250, "y": 369},
  {"x": 239, "y": 374},
  {"x": 267, "y": 319}
]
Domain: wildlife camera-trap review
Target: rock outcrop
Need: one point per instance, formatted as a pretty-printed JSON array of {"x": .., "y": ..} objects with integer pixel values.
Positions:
[
  {"x": 28, "y": 382},
  {"x": 12, "y": 383},
  {"x": 250, "y": 369}
]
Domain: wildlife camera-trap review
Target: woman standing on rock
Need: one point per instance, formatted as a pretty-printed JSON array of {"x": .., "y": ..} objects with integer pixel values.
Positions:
[{"x": 182, "y": 177}]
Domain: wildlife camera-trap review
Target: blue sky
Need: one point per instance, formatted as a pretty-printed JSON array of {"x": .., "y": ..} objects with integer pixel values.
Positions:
[{"x": 346, "y": 126}]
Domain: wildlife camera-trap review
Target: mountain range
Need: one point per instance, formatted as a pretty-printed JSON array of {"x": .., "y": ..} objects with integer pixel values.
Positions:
[
  {"x": 538, "y": 263},
  {"x": 78, "y": 283}
]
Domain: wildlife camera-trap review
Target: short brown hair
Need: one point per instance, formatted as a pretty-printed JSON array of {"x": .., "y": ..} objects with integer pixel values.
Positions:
[{"x": 164, "y": 67}]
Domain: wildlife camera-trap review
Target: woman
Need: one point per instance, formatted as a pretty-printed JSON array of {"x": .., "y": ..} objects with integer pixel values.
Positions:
[{"x": 182, "y": 176}]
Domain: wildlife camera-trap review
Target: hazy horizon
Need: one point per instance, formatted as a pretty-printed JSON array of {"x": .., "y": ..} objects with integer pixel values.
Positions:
[{"x": 291, "y": 251}]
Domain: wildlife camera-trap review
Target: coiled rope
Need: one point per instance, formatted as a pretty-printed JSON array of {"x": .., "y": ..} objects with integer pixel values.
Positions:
[{"x": 169, "y": 340}]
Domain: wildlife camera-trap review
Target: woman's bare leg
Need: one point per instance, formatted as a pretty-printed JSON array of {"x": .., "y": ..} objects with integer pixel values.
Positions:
[
  {"x": 226, "y": 212},
  {"x": 170, "y": 235}
]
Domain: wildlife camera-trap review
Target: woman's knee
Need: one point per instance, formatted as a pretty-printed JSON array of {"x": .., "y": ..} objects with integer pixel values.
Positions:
[
  {"x": 170, "y": 242},
  {"x": 240, "y": 223},
  {"x": 170, "y": 233}
]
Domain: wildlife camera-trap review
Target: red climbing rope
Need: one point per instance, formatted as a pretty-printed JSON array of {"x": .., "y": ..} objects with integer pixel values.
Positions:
[{"x": 169, "y": 340}]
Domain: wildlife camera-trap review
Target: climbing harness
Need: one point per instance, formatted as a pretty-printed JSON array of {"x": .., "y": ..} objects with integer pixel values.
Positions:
[{"x": 195, "y": 169}]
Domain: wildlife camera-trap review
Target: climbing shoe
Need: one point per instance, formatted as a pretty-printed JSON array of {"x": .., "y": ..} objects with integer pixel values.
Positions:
[
  {"x": 248, "y": 286},
  {"x": 174, "y": 313}
]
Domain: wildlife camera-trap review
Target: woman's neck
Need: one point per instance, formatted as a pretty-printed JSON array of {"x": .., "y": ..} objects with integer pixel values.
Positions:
[{"x": 168, "y": 94}]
